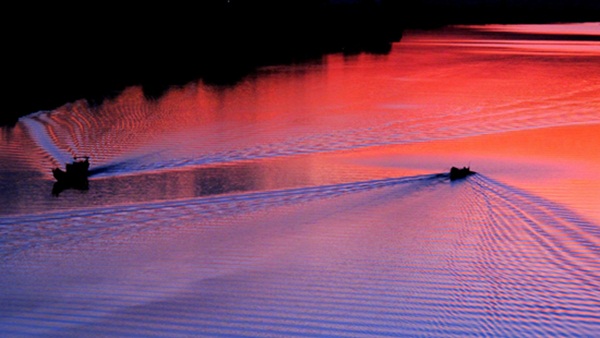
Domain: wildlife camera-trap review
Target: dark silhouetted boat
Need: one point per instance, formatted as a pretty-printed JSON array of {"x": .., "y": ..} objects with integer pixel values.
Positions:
[
  {"x": 456, "y": 173},
  {"x": 74, "y": 176}
]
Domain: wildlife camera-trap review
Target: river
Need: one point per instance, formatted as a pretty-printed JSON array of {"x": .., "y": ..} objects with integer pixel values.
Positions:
[{"x": 313, "y": 199}]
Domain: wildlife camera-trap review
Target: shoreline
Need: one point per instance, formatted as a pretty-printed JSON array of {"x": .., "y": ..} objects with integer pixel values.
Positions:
[{"x": 74, "y": 57}]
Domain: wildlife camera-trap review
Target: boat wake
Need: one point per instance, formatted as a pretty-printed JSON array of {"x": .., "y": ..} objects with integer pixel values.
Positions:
[
  {"x": 137, "y": 138},
  {"x": 26, "y": 231},
  {"x": 400, "y": 256},
  {"x": 564, "y": 239}
]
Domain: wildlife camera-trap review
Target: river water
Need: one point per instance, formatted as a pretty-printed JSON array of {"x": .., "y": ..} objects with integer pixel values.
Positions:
[{"x": 313, "y": 199}]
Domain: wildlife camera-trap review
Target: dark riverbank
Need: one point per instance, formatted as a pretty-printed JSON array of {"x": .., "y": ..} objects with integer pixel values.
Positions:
[
  {"x": 60, "y": 55},
  {"x": 98, "y": 52}
]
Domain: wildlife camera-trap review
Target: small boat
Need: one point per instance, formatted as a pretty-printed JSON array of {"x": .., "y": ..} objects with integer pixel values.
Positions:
[
  {"x": 76, "y": 172},
  {"x": 456, "y": 173}
]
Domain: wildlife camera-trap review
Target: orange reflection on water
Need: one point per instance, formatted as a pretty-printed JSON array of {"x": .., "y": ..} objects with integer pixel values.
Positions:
[
  {"x": 558, "y": 163},
  {"x": 435, "y": 85},
  {"x": 283, "y": 204},
  {"x": 432, "y": 86},
  {"x": 585, "y": 28}
]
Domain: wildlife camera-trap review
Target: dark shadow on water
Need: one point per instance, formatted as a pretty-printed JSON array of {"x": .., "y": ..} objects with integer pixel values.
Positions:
[
  {"x": 75, "y": 52},
  {"x": 105, "y": 169},
  {"x": 59, "y": 187},
  {"x": 94, "y": 52}
]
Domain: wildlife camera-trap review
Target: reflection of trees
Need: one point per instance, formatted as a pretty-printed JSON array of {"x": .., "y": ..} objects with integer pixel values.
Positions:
[
  {"x": 93, "y": 52},
  {"x": 64, "y": 54}
]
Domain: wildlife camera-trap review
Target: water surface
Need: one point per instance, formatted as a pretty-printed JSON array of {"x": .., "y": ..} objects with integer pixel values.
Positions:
[{"x": 312, "y": 199}]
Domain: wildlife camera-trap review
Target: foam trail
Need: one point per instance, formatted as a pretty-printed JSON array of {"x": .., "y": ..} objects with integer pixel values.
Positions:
[{"x": 38, "y": 128}]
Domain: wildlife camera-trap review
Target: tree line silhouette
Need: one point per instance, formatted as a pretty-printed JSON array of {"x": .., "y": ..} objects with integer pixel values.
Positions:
[{"x": 54, "y": 54}]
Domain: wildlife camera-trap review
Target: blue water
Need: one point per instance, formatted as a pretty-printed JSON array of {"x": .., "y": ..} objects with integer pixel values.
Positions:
[{"x": 411, "y": 256}]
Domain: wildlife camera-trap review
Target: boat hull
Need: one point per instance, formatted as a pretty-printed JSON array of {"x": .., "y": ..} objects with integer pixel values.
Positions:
[
  {"x": 456, "y": 173},
  {"x": 76, "y": 177}
]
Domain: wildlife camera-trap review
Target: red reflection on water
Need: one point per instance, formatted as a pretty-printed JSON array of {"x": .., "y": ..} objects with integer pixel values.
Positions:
[
  {"x": 413, "y": 251},
  {"x": 447, "y": 84},
  {"x": 588, "y": 28},
  {"x": 433, "y": 85}
]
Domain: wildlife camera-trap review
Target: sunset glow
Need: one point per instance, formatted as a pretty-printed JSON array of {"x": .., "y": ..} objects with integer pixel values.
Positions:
[{"x": 315, "y": 199}]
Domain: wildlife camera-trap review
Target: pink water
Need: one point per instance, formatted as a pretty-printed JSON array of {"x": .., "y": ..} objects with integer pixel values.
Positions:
[{"x": 312, "y": 199}]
